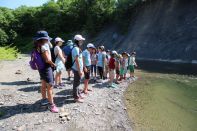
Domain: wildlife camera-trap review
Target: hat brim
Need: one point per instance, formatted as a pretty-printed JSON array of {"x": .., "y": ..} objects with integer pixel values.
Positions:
[
  {"x": 45, "y": 38},
  {"x": 60, "y": 41}
]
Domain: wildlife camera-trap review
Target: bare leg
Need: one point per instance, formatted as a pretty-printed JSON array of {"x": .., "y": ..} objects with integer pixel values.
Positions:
[
  {"x": 43, "y": 89},
  {"x": 50, "y": 93}
]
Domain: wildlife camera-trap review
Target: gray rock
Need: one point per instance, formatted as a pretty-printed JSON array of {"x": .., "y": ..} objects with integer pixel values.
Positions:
[
  {"x": 68, "y": 118},
  {"x": 1, "y": 103},
  {"x": 21, "y": 128},
  {"x": 18, "y": 72}
]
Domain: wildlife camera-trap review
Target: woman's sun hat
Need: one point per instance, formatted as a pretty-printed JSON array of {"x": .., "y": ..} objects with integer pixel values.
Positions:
[
  {"x": 79, "y": 37},
  {"x": 90, "y": 45},
  {"x": 42, "y": 35},
  {"x": 58, "y": 39}
]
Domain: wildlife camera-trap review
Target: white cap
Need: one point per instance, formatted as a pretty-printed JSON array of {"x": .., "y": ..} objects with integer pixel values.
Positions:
[
  {"x": 90, "y": 45},
  {"x": 114, "y": 52},
  {"x": 58, "y": 39},
  {"x": 79, "y": 37}
]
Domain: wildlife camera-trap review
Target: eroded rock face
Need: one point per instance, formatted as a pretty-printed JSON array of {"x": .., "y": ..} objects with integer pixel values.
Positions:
[{"x": 160, "y": 29}]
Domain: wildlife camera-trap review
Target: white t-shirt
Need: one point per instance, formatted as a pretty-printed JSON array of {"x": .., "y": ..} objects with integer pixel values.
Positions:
[
  {"x": 132, "y": 60},
  {"x": 56, "y": 50},
  {"x": 44, "y": 48}
]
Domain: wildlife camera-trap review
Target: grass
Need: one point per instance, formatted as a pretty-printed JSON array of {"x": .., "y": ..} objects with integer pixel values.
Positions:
[
  {"x": 162, "y": 102},
  {"x": 8, "y": 53}
]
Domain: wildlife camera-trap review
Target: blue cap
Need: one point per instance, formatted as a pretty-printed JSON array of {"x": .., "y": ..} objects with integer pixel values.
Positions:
[{"x": 42, "y": 35}]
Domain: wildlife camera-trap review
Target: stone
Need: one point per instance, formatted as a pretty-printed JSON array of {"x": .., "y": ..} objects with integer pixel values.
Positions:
[
  {"x": 62, "y": 109},
  {"x": 68, "y": 118},
  {"x": 40, "y": 122},
  {"x": 21, "y": 128},
  {"x": 1, "y": 103},
  {"x": 28, "y": 79},
  {"x": 109, "y": 107},
  {"x": 63, "y": 114},
  {"x": 63, "y": 118},
  {"x": 24, "y": 95},
  {"x": 18, "y": 72}
]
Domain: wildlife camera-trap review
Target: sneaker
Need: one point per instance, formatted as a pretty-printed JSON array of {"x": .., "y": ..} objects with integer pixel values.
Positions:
[
  {"x": 79, "y": 100},
  {"x": 58, "y": 87},
  {"x": 44, "y": 102},
  {"x": 117, "y": 82},
  {"x": 53, "y": 108},
  {"x": 61, "y": 84}
]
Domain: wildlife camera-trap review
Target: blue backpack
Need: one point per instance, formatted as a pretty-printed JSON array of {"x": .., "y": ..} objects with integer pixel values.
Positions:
[{"x": 36, "y": 62}]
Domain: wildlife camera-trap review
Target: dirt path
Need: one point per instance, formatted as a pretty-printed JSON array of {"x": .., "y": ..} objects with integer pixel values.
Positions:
[{"x": 103, "y": 109}]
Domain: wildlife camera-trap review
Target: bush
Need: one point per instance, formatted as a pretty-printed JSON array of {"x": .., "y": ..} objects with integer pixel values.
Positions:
[
  {"x": 3, "y": 37},
  {"x": 8, "y": 53}
]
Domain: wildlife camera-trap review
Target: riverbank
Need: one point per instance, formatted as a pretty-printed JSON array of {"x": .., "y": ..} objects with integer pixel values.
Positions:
[
  {"x": 102, "y": 110},
  {"x": 162, "y": 102}
]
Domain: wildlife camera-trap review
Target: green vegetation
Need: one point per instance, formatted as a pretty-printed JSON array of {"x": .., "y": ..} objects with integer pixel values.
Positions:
[
  {"x": 61, "y": 18},
  {"x": 8, "y": 53},
  {"x": 161, "y": 102}
]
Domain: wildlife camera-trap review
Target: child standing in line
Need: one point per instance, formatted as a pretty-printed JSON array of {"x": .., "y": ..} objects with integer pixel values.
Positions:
[
  {"x": 112, "y": 67},
  {"x": 77, "y": 67},
  {"x": 101, "y": 62},
  {"x": 46, "y": 74},
  {"x": 87, "y": 66},
  {"x": 117, "y": 65},
  {"x": 93, "y": 63},
  {"x": 132, "y": 64},
  {"x": 125, "y": 57},
  {"x": 59, "y": 62}
]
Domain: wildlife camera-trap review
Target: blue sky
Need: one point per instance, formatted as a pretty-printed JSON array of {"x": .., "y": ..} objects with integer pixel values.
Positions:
[{"x": 16, "y": 3}]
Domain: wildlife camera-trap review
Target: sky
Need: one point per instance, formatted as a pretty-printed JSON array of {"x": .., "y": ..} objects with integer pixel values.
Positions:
[{"x": 16, "y": 3}]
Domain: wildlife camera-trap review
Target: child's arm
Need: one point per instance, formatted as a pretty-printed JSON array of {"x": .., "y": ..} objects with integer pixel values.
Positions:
[
  {"x": 61, "y": 56},
  {"x": 134, "y": 62}
]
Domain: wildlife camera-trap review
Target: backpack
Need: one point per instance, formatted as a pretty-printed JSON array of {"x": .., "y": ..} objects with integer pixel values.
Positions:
[
  {"x": 53, "y": 57},
  {"x": 36, "y": 62},
  {"x": 69, "y": 62}
]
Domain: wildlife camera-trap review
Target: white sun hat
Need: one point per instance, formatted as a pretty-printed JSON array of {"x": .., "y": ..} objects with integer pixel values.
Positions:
[
  {"x": 79, "y": 37},
  {"x": 114, "y": 52},
  {"x": 58, "y": 39},
  {"x": 90, "y": 45}
]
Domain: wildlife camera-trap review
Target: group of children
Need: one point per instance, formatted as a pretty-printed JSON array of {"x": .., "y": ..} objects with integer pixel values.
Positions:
[{"x": 87, "y": 63}]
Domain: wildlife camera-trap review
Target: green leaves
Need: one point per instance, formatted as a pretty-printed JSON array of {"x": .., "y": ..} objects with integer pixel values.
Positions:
[{"x": 61, "y": 17}]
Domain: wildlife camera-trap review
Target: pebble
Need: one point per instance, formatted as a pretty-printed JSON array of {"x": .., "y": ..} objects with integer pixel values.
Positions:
[
  {"x": 109, "y": 107},
  {"x": 28, "y": 79},
  {"x": 68, "y": 118},
  {"x": 63, "y": 118},
  {"x": 1, "y": 103},
  {"x": 1, "y": 123},
  {"x": 24, "y": 95},
  {"x": 18, "y": 72},
  {"x": 21, "y": 128},
  {"x": 40, "y": 122},
  {"x": 62, "y": 109},
  {"x": 63, "y": 114}
]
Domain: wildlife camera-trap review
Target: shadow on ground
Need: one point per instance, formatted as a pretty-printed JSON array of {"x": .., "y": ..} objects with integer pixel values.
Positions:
[{"x": 19, "y": 83}]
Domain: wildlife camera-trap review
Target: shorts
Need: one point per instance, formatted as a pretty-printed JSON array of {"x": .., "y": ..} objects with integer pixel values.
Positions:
[
  {"x": 111, "y": 72},
  {"x": 131, "y": 68},
  {"x": 46, "y": 74},
  {"x": 122, "y": 71},
  {"x": 87, "y": 74},
  {"x": 59, "y": 66}
]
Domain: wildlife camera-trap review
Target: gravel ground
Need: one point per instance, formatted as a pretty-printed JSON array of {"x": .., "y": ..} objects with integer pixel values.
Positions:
[{"x": 103, "y": 109}]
